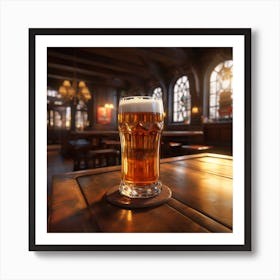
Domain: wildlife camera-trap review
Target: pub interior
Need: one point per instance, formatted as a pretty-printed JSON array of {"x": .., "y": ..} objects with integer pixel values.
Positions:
[{"x": 84, "y": 86}]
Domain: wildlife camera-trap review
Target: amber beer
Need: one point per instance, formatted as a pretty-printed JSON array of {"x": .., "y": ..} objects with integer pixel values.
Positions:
[{"x": 140, "y": 121}]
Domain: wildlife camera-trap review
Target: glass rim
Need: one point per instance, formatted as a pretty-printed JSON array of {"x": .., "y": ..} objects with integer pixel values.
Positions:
[
  {"x": 140, "y": 104},
  {"x": 137, "y": 97}
]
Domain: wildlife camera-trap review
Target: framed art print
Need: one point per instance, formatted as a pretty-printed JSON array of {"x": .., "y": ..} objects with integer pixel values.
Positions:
[
  {"x": 103, "y": 115},
  {"x": 112, "y": 108}
]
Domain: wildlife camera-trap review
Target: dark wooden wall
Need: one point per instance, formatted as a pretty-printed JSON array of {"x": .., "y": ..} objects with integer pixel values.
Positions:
[
  {"x": 101, "y": 96},
  {"x": 139, "y": 72}
]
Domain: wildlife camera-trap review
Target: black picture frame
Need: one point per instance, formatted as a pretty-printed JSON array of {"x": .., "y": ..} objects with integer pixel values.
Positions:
[{"x": 34, "y": 168}]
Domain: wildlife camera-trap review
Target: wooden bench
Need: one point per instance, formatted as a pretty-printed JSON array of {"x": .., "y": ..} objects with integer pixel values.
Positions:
[{"x": 104, "y": 157}]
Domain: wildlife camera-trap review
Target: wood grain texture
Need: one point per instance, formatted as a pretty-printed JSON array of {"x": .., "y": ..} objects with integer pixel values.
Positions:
[{"x": 201, "y": 199}]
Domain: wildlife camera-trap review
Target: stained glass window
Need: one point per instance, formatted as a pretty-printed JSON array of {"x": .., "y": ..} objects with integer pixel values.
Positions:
[
  {"x": 220, "y": 97},
  {"x": 182, "y": 100},
  {"x": 157, "y": 92}
]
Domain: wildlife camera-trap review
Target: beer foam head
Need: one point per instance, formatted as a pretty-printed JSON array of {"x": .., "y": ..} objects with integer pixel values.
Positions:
[{"x": 140, "y": 104}]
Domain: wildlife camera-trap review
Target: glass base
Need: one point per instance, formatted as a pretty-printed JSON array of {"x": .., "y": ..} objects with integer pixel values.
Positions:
[
  {"x": 114, "y": 196},
  {"x": 132, "y": 191}
]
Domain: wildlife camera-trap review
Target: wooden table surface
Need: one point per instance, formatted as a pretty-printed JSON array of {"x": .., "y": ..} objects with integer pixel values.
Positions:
[{"x": 201, "y": 199}]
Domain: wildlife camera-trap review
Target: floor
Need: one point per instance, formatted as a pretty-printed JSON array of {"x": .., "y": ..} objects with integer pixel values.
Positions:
[{"x": 56, "y": 163}]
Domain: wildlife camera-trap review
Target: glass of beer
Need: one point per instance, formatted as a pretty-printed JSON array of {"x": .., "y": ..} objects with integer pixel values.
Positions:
[{"x": 140, "y": 121}]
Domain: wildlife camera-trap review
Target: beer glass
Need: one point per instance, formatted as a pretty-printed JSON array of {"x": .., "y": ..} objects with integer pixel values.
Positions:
[{"x": 140, "y": 121}]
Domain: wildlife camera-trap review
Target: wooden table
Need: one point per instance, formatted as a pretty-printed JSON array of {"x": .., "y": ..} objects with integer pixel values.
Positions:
[{"x": 201, "y": 199}]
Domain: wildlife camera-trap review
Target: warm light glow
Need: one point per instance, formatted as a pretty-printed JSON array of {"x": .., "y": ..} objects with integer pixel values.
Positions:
[
  {"x": 129, "y": 215},
  {"x": 68, "y": 118},
  {"x": 58, "y": 103},
  {"x": 66, "y": 83},
  {"x": 62, "y": 91},
  {"x": 111, "y": 106},
  {"x": 82, "y": 84},
  {"x": 51, "y": 118},
  {"x": 195, "y": 110},
  {"x": 80, "y": 92}
]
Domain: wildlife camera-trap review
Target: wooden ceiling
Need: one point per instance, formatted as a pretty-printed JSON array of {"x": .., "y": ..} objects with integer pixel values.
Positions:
[{"x": 125, "y": 67}]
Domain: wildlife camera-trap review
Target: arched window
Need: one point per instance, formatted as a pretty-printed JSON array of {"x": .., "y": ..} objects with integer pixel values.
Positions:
[
  {"x": 220, "y": 97},
  {"x": 157, "y": 92},
  {"x": 182, "y": 100}
]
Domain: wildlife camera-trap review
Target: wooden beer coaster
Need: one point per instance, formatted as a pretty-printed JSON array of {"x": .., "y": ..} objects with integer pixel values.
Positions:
[{"x": 113, "y": 196}]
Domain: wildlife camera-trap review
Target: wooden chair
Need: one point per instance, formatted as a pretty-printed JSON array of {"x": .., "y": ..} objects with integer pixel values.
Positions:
[{"x": 79, "y": 151}]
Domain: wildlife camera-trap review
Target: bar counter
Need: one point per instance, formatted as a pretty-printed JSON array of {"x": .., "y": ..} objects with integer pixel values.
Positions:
[{"x": 201, "y": 199}]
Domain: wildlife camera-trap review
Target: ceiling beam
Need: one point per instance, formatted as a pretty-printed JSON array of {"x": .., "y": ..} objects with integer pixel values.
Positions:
[{"x": 92, "y": 60}]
